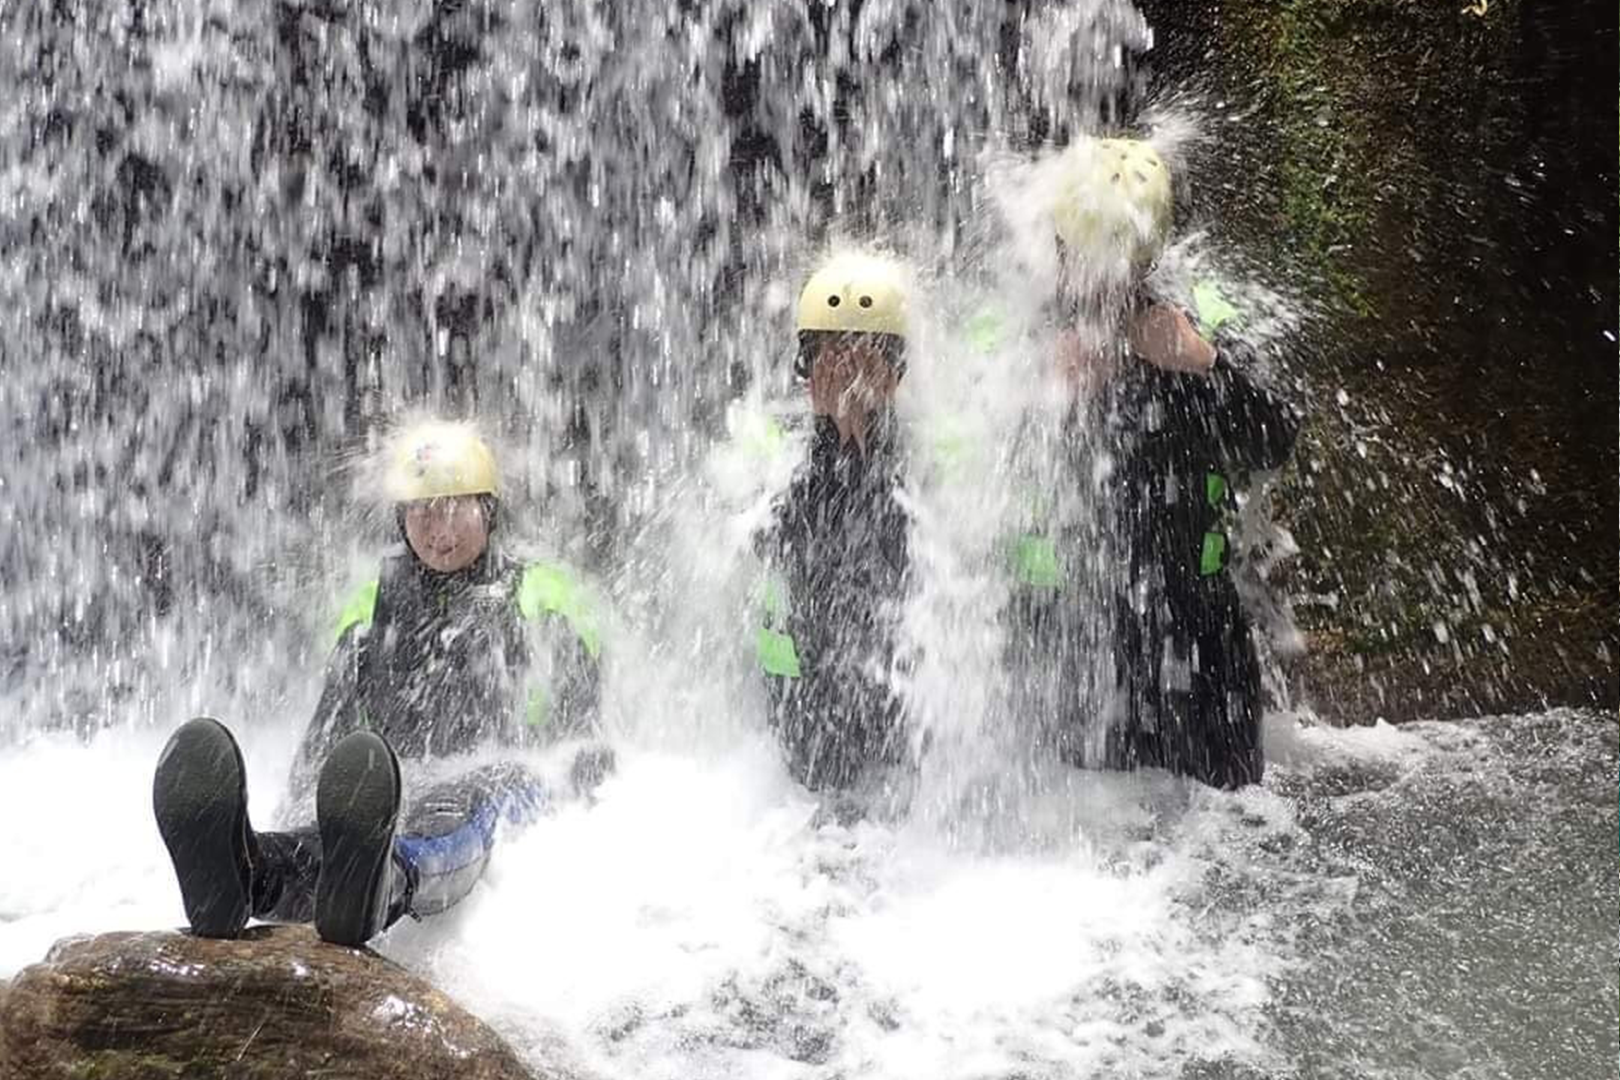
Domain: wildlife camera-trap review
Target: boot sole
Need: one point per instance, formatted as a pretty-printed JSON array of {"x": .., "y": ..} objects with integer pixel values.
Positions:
[
  {"x": 356, "y": 807},
  {"x": 199, "y": 797}
]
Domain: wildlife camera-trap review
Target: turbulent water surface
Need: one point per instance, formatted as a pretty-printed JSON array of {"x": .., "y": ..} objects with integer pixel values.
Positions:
[
  {"x": 1430, "y": 901},
  {"x": 236, "y": 247}
]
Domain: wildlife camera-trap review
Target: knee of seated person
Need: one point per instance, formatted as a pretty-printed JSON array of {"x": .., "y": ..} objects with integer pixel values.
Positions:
[{"x": 592, "y": 765}]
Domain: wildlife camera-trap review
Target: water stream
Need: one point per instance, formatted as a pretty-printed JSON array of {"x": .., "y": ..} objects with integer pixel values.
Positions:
[
  {"x": 231, "y": 246},
  {"x": 1429, "y": 901}
]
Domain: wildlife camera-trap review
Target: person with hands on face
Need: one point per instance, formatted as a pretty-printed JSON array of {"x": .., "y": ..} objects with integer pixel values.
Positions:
[
  {"x": 836, "y": 548},
  {"x": 1180, "y": 426}
]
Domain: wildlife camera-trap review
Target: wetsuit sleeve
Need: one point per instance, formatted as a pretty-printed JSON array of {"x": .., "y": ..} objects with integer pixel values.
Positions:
[
  {"x": 767, "y": 540},
  {"x": 336, "y": 714},
  {"x": 579, "y": 691},
  {"x": 565, "y": 643},
  {"x": 563, "y": 699},
  {"x": 1252, "y": 426},
  {"x": 1255, "y": 424}
]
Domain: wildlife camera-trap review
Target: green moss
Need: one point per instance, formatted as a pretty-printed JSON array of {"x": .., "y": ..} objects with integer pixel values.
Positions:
[
  {"x": 1360, "y": 99},
  {"x": 1304, "y": 58},
  {"x": 125, "y": 1065}
]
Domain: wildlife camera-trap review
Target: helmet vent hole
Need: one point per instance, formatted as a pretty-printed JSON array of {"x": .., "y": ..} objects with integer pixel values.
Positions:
[
  {"x": 832, "y": 301},
  {"x": 1115, "y": 180},
  {"x": 1141, "y": 177},
  {"x": 866, "y": 301}
]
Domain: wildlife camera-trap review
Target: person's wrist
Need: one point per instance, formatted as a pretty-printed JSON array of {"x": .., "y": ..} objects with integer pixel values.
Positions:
[{"x": 1198, "y": 354}]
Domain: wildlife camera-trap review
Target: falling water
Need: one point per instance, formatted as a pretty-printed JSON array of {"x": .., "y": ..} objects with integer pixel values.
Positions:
[{"x": 237, "y": 244}]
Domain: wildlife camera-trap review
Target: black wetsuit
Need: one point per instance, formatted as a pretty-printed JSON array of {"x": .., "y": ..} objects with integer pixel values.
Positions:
[
  {"x": 1184, "y": 689},
  {"x": 438, "y": 669},
  {"x": 838, "y": 548}
]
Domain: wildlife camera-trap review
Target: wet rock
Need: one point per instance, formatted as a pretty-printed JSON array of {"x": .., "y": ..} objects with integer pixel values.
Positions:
[{"x": 276, "y": 1003}]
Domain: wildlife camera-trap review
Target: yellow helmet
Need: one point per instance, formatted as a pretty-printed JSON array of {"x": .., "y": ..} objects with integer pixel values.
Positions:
[
  {"x": 435, "y": 459},
  {"x": 856, "y": 293},
  {"x": 1114, "y": 195}
]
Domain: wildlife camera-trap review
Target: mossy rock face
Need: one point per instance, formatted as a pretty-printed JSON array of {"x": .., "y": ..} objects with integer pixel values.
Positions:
[
  {"x": 1436, "y": 181},
  {"x": 1371, "y": 127},
  {"x": 276, "y": 1003}
]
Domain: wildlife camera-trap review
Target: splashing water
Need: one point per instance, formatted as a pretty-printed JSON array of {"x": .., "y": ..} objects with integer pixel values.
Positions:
[
  {"x": 235, "y": 246},
  {"x": 1417, "y": 903},
  {"x": 237, "y": 243}
]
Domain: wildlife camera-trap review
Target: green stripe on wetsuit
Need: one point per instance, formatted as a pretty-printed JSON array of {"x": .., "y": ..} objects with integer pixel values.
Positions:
[
  {"x": 775, "y": 648},
  {"x": 1212, "y": 558},
  {"x": 1035, "y": 562},
  {"x": 358, "y": 609}
]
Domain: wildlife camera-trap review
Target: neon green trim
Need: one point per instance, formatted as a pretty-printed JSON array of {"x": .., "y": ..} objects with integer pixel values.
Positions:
[
  {"x": 1215, "y": 489},
  {"x": 358, "y": 609},
  {"x": 1035, "y": 562},
  {"x": 777, "y": 654},
  {"x": 548, "y": 588},
  {"x": 537, "y": 711},
  {"x": 1213, "y": 309},
  {"x": 775, "y": 648},
  {"x": 1213, "y": 558},
  {"x": 986, "y": 331},
  {"x": 764, "y": 439},
  {"x": 774, "y": 599},
  {"x": 951, "y": 451}
]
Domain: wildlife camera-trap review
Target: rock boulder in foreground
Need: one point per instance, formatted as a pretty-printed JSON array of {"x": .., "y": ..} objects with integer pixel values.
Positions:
[{"x": 276, "y": 1003}]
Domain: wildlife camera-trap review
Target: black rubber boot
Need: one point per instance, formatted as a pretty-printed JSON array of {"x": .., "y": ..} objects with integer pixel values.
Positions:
[
  {"x": 356, "y": 808},
  {"x": 199, "y": 796}
]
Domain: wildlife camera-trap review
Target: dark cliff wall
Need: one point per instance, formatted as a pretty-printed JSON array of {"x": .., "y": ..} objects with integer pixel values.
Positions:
[{"x": 1440, "y": 180}]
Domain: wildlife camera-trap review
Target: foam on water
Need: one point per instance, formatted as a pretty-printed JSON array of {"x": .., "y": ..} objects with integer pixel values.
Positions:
[
  {"x": 706, "y": 917},
  {"x": 80, "y": 849},
  {"x": 700, "y": 917}
]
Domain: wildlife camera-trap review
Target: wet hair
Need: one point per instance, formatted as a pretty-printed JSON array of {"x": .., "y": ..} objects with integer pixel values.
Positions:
[{"x": 892, "y": 347}]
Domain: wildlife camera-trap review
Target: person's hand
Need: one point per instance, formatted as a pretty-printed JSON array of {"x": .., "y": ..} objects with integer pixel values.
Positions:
[
  {"x": 1164, "y": 337},
  {"x": 850, "y": 382}
]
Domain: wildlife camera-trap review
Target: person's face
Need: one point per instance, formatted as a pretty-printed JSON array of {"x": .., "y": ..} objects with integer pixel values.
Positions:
[
  {"x": 849, "y": 379},
  {"x": 447, "y": 534}
]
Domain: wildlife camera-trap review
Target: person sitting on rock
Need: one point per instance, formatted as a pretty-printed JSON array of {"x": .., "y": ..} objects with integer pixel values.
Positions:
[
  {"x": 837, "y": 548},
  {"x": 453, "y": 645},
  {"x": 1132, "y": 612}
]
